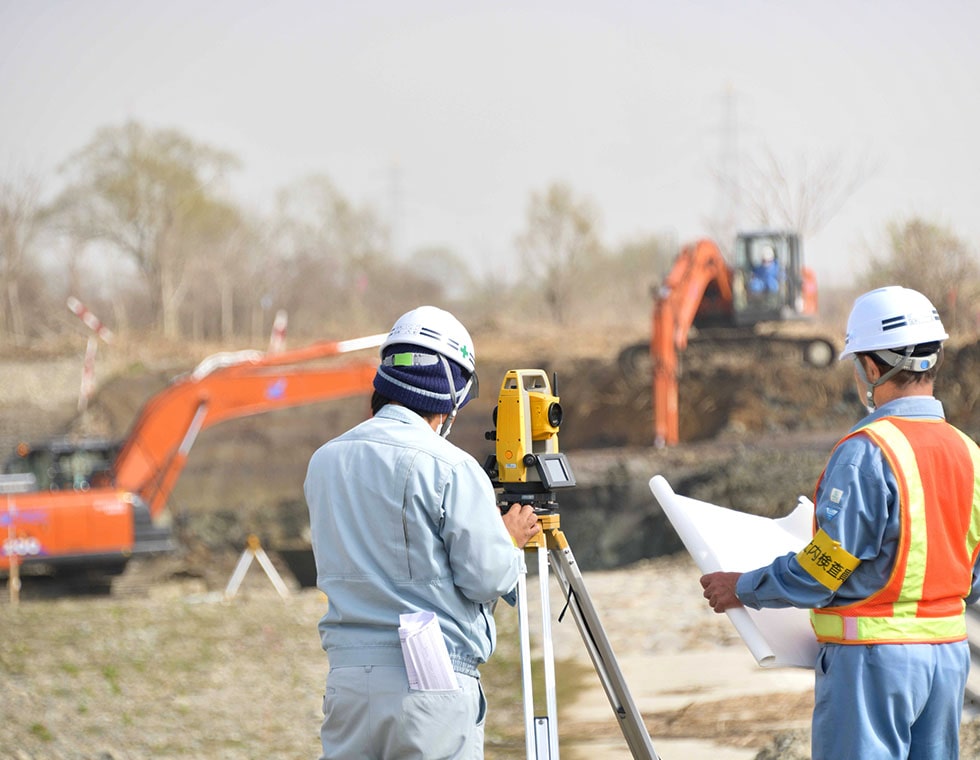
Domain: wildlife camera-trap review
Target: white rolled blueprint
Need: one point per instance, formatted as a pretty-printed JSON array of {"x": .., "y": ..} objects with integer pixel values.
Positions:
[{"x": 722, "y": 539}]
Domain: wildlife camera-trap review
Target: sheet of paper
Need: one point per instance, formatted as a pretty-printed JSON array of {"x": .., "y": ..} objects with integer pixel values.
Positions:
[
  {"x": 425, "y": 653},
  {"x": 725, "y": 539}
]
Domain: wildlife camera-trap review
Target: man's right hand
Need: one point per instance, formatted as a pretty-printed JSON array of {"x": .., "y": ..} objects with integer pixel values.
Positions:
[{"x": 522, "y": 523}]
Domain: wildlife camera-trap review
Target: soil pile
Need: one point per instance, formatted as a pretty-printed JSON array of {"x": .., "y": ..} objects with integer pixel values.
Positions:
[{"x": 756, "y": 426}]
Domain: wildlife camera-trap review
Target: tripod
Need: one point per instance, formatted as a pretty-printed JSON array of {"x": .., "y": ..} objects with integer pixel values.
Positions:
[
  {"x": 528, "y": 467},
  {"x": 541, "y": 733}
]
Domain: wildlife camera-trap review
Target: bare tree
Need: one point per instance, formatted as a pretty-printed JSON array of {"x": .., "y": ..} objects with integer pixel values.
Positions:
[
  {"x": 220, "y": 275},
  {"x": 558, "y": 243},
  {"x": 803, "y": 196},
  {"x": 442, "y": 265},
  {"x": 332, "y": 252},
  {"x": 151, "y": 194},
  {"x": 624, "y": 279},
  {"x": 930, "y": 258},
  {"x": 20, "y": 224}
]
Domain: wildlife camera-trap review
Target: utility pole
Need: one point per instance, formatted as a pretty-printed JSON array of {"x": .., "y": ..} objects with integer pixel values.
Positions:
[
  {"x": 395, "y": 210},
  {"x": 728, "y": 209}
]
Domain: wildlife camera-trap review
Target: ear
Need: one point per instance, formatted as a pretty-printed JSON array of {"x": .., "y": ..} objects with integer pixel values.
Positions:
[{"x": 871, "y": 370}]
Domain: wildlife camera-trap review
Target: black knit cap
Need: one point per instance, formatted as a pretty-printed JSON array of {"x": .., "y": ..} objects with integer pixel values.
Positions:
[{"x": 416, "y": 378}]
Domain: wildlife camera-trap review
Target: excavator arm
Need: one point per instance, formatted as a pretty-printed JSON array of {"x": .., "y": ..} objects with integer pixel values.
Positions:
[
  {"x": 699, "y": 283},
  {"x": 223, "y": 387},
  {"x": 93, "y": 521}
]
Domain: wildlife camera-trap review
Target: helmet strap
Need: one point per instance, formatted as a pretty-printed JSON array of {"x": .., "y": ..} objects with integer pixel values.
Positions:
[
  {"x": 869, "y": 385},
  {"x": 906, "y": 361},
  {"x": 445, "y": 427}
]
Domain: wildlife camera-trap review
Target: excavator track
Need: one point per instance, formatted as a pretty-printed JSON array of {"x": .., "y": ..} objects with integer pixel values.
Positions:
[{"x": 815, "y": 351}]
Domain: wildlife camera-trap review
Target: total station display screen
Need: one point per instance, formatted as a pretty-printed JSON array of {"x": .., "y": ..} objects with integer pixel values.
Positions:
[{"x": 555, "y": 471}]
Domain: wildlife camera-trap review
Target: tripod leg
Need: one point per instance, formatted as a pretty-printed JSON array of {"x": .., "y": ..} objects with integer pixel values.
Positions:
[
  {"x": 526, "y": 683},
  {"x": 606, "y": 667},
  {"x": 540, "y": 733},
  {"x": 240, "y": 569},
  {"x": 548, "y": 653}
]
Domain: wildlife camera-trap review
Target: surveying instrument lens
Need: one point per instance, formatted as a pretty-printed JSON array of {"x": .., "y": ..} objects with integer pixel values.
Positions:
[
  {"x": 528, "y": 468},
  {"x": 554, "y": 414}
]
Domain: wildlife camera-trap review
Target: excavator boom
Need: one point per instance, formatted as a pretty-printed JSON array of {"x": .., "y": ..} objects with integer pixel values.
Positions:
[
  {"x": 224, "y": 387},
  {"x": 94, "y": 516},
  {"x": 700, "y": 269}
]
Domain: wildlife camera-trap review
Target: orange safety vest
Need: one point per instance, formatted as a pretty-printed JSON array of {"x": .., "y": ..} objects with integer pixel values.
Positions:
[{"x": 938, "y": 472}]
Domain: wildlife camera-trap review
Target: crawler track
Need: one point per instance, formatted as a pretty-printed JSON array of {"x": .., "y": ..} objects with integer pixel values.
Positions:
[{"x": 809, "y": 350}]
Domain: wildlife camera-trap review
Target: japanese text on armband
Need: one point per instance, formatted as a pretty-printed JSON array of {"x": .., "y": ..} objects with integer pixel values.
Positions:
[{"x": 827, "y": 561}]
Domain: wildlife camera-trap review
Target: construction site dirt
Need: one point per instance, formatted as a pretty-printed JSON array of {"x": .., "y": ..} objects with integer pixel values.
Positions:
[{"x": 756, "y": 428}]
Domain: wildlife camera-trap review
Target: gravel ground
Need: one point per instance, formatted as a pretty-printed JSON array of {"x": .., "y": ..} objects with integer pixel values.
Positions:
[
  {"x": 169, "y": 671},
  {"x": 166, "y": 667}
]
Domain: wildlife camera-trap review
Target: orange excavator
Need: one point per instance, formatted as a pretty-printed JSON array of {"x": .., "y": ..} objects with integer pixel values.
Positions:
[
  {"x": 87, "y": 507},
  {"x": 767, "y": 283}
]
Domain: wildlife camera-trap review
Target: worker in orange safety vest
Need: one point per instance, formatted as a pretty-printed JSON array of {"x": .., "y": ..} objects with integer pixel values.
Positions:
[{"x": 893, "y": 559}]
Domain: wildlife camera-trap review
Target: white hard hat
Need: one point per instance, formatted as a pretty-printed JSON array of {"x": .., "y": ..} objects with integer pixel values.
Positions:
[
  {"x": 891, "y": 318},
  {"x": 437, "y": 330}
]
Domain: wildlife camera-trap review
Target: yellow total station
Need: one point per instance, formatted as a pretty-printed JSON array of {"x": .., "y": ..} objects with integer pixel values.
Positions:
[{"x": 527, "y": 419}]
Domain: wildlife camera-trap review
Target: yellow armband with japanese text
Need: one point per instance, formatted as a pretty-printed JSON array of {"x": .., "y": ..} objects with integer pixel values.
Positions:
[{"x": 827, "y": 561}]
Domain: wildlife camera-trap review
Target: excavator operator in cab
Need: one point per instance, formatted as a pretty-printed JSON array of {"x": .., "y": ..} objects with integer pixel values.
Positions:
[{"x": 767, "y": 275}]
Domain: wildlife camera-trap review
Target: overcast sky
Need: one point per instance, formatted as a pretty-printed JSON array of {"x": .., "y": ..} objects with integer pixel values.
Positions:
[{"x": 445, "y": 116}]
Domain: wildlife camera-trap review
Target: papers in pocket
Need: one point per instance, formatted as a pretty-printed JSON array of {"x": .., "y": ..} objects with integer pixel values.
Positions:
[{"x": 425, "y": 653}]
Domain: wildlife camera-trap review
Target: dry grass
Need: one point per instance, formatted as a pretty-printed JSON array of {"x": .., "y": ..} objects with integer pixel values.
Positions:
[{"x": 172, "y": 671}]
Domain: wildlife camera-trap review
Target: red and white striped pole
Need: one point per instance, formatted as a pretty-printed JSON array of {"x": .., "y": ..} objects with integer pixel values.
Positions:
[
  {"x": 91, "y": 321},
  {"x": 88, "y": 374},
  {"x": 94, "y": 324},
  {"x": 278, "y": 339}
]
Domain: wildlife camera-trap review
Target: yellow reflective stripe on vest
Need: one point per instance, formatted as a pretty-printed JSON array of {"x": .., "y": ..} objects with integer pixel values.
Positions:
[
  {"x": 973, "y": 537},
  {"x": 906, "y": 466},
  {"x": 886, "y": 629}
]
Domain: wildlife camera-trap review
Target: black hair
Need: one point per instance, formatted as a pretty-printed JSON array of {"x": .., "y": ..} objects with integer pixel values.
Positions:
[{"x": 379, "y": 400}]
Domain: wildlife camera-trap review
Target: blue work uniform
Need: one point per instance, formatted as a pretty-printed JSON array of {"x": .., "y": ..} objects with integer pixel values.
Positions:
[
  {"x": 877, "y": 701},
  {"x": 404, "y": 521},
  {"x": 766, "y": 278}
]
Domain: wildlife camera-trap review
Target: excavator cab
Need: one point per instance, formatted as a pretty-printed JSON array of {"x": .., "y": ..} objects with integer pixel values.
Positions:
[
  {"x": 65, "y": 465},
  {"x": 769, "y": 281}
]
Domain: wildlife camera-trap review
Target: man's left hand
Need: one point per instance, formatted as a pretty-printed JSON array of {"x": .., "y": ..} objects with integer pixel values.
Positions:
[{"x": 719, "y": 590}]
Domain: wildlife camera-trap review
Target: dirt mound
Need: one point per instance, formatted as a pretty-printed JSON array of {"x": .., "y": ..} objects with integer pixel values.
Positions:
[{"x": 756, "y": 426}]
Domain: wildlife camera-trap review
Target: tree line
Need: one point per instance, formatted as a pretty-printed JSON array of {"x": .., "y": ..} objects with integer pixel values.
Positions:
[{"x": 145, "y": 231}]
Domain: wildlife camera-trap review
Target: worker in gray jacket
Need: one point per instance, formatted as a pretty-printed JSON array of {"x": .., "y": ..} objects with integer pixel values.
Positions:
[{"x": 403, "y": 521}]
